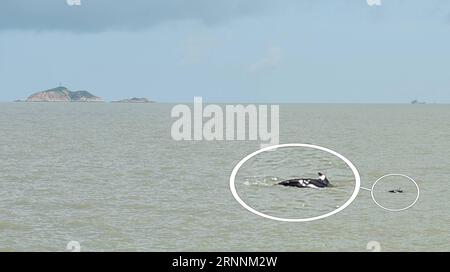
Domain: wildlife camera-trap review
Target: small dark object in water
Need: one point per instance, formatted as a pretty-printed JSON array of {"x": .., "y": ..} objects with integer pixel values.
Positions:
[
  {"x": 321, "y": 182},
  {"x": 396, "y": 191}
]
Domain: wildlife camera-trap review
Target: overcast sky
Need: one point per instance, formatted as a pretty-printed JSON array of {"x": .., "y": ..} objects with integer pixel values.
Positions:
[{"x": 228, "y": 50}]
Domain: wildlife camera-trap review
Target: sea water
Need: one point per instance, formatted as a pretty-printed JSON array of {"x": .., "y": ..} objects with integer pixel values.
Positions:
[{"x": 111, "y": 177}]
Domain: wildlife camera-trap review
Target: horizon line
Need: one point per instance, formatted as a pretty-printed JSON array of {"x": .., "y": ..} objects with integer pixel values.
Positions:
[{"x": 228, "y": 102}]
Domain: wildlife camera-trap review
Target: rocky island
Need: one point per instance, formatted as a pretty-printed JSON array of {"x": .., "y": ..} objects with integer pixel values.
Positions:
[
  {"x": 62, "y": 94},
  {"x": 134, "y": 100}
]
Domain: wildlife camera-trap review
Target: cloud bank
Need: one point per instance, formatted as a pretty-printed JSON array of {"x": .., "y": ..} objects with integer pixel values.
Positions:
[{"x": 102, "y": 15}]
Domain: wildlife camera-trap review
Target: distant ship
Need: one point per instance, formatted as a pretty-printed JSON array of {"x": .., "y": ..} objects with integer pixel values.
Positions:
[{"x": 416, "y": 102}]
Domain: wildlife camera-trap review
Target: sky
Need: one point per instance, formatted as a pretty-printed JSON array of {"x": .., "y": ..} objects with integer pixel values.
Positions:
[{"x": 267, "y": 51}]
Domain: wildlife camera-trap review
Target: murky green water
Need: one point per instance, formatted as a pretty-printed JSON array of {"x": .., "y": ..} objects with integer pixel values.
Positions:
[{"x": 111, "y": 177}]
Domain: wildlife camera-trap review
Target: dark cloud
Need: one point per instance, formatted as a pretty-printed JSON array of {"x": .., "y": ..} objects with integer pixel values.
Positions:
[{"x": 100, "y": 15}]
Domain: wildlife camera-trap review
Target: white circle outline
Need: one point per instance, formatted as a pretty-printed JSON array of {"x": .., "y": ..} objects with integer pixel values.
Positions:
[
  {"x": 345, "y": 205},
  {"x": 396, "y": 175}
]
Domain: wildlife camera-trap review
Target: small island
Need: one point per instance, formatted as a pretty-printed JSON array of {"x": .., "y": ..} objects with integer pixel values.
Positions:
[
  {"x": 134, "y": 100},
  {"x": 62, "y": 94}
]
